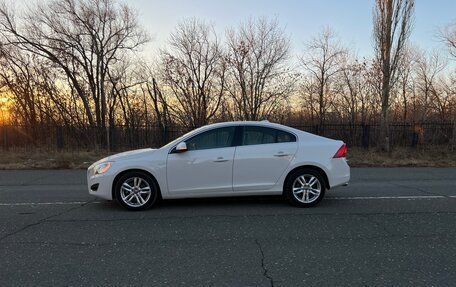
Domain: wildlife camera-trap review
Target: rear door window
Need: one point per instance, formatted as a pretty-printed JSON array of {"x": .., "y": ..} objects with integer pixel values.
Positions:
[{"x": 254, "y": 135}]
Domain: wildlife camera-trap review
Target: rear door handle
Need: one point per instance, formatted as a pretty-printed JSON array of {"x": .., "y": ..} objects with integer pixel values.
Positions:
[
  {"x": 220, "y": 159},
  {"x": 281, "y": 154}
]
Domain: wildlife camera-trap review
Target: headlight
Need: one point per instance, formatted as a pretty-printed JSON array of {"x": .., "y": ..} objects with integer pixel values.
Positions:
[{"x": 101, "y": 168}]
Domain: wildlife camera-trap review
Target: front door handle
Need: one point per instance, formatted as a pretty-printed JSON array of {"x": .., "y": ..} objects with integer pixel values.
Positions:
[{"x": 220, "y": 159}]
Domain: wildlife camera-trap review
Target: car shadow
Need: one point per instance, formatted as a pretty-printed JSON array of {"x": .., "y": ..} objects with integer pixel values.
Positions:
[
  {"x": 220, "y": 202},
  {"x": 224, "y": 201}
]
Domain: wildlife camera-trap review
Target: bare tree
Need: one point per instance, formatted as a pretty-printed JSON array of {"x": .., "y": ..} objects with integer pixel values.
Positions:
[
  {"x": 309, "y": 94},
  {"x": 444, "y": 97},
  {"x": 18, "y": 75},
  {"x": 405, "y": 74},
  {"x": 427, "y": 69},
  {"x": 160, "y": 102},
  {"x": 83, "y": 38},
  {"x": 32, "y": 85},
  {"x": 194, "y": 69},
  {"x": 448, "y": 35},
  {"x": 324, "y": 60},
  {"x": 392, "y": 27},
  {"x": 372, "y": 86},
  {"x": 350, "y": 86},
  {"x": 452, "y": 92},
  {"x": 260, "y": 80}
]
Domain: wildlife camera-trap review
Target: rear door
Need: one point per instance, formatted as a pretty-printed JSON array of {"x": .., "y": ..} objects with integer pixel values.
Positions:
[{"x": 261, "y": 158}]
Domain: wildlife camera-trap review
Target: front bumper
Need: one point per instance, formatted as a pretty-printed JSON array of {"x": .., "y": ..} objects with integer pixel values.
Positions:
[{"x": 100, "y": 185}]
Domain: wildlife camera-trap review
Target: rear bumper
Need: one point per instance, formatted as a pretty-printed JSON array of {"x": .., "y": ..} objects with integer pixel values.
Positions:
[{"x": 339, "y": 173}]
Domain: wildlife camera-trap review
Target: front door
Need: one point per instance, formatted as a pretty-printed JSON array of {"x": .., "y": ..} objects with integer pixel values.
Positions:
[{"x": 206, "y": 167}]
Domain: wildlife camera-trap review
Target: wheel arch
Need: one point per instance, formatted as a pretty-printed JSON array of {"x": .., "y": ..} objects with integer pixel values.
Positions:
[
  {"x": 120, "y": 174},
  {"x": 313, "y": 167}
]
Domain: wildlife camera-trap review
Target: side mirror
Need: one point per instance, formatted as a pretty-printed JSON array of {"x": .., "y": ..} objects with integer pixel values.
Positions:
[{"x": 181, "y": 147}]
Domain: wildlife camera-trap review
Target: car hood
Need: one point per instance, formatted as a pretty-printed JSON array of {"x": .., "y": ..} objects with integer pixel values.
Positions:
[{"x": 127, "y": 155}]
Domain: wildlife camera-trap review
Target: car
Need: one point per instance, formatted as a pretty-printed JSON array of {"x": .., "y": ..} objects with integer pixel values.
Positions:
[{"x": 225, "y": 159}]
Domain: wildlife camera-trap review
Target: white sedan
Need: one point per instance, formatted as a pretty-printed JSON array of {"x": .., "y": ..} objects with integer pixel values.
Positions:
[{"x": 225, "y": 159}]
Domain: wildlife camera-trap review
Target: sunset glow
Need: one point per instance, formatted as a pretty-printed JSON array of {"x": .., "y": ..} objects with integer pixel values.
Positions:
[
  {"x": 3, "y": 99},
  {"x": 4, "y": 109}
]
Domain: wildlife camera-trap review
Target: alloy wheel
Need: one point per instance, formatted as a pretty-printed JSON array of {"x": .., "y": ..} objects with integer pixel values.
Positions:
[
  {"x": 306, "y": 188},
  {"x": 135, "y": 191}
]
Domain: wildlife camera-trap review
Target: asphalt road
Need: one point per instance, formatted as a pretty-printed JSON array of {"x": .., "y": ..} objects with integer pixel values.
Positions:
[{"x": 389, "y": 227}]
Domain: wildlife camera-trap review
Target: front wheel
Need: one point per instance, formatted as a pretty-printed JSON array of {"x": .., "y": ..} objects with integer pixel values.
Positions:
[
  {"x": 305, "y": 188},
  {"x": 136, "y": 191}
]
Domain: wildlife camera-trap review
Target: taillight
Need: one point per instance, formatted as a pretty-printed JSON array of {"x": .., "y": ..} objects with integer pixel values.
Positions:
[{"x": 342, "y": 152}]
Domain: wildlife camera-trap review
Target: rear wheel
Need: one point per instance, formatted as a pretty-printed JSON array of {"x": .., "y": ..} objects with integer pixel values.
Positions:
[
  {"x": 305, "y": 188},
  {"x": 136, "y": 191}
]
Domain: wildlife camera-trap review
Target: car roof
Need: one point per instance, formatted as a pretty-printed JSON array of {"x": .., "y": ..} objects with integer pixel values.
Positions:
[
  {"x": 299, "y": 133},
  {"x": 248, "y": 123}
]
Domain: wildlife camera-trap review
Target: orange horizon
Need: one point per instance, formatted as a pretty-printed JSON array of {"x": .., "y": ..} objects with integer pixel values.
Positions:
[{"x": 4, "y": 109}]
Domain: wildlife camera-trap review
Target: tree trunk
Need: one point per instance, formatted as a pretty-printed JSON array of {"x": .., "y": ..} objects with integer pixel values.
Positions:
[
  {"x": 453, "y": 140},
  {"x": 384, "y": 140}
]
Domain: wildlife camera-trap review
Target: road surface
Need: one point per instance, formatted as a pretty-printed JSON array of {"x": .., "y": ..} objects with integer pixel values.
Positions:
[{"x": 389, "y": 227}]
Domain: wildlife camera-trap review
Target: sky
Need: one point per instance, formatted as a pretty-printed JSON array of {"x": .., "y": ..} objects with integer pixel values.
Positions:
[{"x": 301, "y": 19}]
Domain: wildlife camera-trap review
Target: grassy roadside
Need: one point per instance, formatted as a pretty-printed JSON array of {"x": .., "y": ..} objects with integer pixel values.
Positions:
[
  {"x": 48, "y": 159},
  {"x": 358, "y": 157},
  {"x": 430, "y": 156}
]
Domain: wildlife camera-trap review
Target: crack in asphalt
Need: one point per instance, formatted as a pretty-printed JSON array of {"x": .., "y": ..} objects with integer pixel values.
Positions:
[
  {"x": 379, "y": 225},
  {"x": 360, "y": 181},
  {"x": 265, "y": 270},
  {"x": 42, "y": 221},
  {"x": 29, "y": 182},
  {"x": 223, "y": 239},
  {"x": 420, "y": 190},
  {"x": 39, "y": 184},
  {"x": 216, "y": 216},
  {"x": 32, "y": 182}
]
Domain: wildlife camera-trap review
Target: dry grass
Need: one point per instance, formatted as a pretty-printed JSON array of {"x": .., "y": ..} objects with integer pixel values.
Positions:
[
  {"x": 46, "y": 159},
  {"x": 358, "y": 157},
  {"x": 430, "y": 156}
]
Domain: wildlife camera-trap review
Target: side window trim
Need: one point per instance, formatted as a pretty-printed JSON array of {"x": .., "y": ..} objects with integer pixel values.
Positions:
[
  {"x": 237, "y": 139},
  {"x": 238, "y": 135}
]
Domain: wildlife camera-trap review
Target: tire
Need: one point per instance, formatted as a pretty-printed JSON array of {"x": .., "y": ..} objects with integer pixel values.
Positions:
[
  {"x": 308, "y": 193},
  {"x": 136, "y": 191}
]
